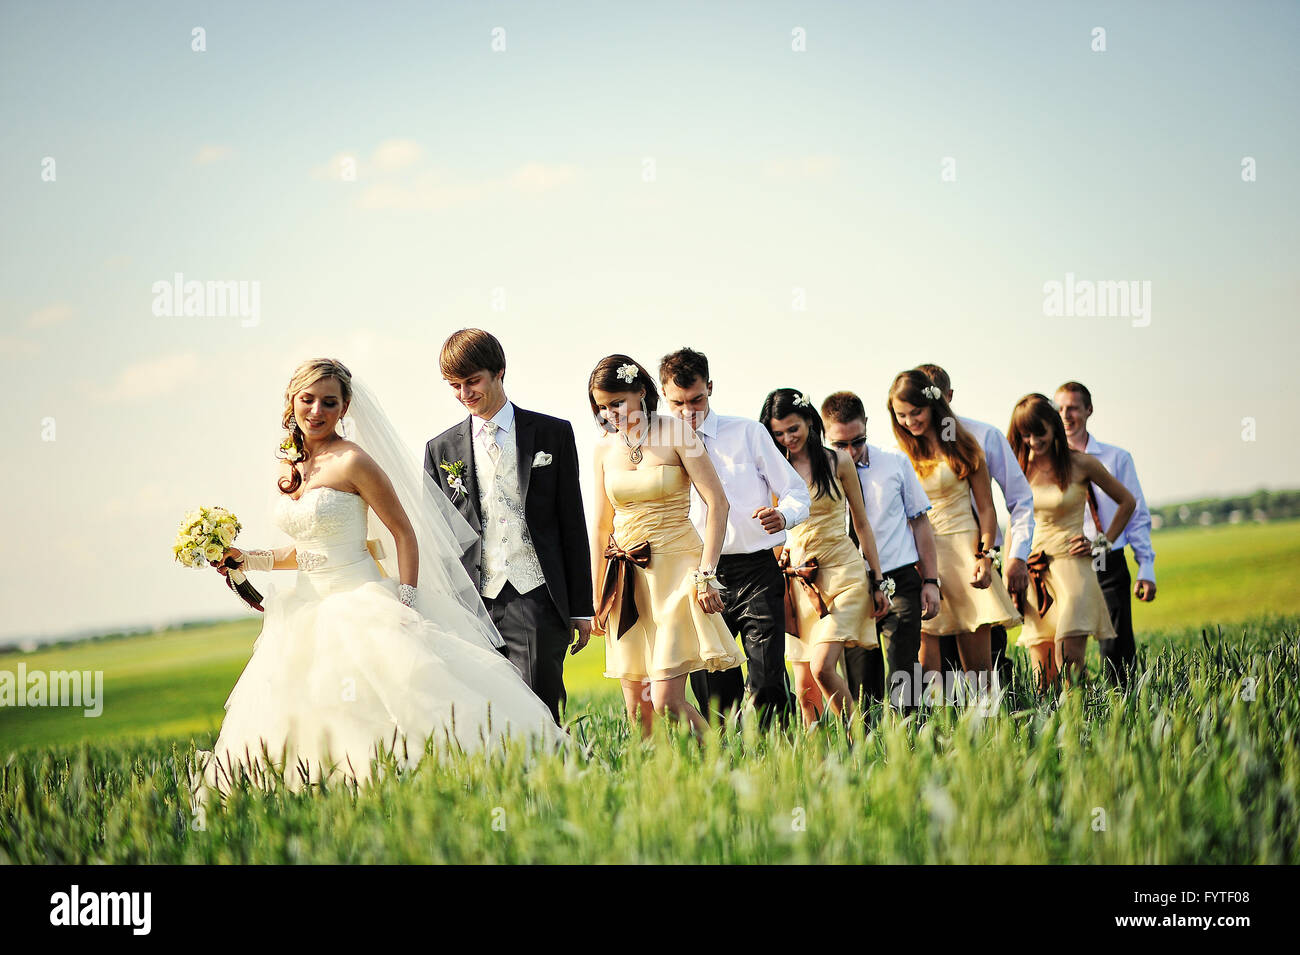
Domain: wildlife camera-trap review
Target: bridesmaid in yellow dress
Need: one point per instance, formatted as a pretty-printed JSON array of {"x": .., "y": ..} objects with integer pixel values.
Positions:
[
  {"x": 950, "y": 464},
  {"x": 1064, "y": 605},
  {"x": 831, "y": 587},
  {"x": 656, "y": 590}
]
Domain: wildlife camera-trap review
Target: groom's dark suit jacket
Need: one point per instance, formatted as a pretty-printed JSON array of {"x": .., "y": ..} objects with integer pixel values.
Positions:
[{"x": 552, "y": 503}]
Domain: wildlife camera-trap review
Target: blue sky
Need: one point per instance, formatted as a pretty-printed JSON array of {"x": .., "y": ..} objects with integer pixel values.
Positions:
[{"x": 522, "y": 171}]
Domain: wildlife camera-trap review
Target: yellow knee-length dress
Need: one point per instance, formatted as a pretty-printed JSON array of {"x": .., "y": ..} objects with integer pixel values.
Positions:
[
  {"x": 963, "y": 608},
  {"x": 841, "y": 578},
  {"x": 1078, "y": 607},
  {"x": 673, "y": 635}
]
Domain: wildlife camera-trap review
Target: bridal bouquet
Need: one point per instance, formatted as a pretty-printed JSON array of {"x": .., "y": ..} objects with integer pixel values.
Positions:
[{"x": 203, "y": 537}]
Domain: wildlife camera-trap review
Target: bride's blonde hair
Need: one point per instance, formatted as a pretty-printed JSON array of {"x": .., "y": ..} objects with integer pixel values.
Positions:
[{"x": 304, "y": 376}]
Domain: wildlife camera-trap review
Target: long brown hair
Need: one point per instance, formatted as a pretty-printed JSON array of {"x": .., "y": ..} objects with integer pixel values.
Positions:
[
  {"x": 305, "y": 375},
  {"x": 962, "y": 453},
  {"x": 1034, "y": 414},
  {"x": 784, "y": 402}
]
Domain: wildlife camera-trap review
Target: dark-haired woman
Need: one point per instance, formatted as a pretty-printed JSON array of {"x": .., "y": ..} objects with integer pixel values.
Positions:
[
  {"x": 1064, "y": 605},
  {"x": 656, "y": 586},
  {"x": 833, "y": 597},
  {"x": 950, "y": 464}
]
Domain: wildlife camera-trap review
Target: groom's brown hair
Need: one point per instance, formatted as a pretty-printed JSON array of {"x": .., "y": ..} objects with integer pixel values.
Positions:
[{"x": 470, "y": 350}]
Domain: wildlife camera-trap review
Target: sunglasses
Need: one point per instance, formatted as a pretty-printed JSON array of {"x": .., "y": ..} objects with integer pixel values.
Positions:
[{"x": 845, "y": 445}]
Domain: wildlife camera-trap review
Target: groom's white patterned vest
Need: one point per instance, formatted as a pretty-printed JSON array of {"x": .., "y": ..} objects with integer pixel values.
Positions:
[{"x": 508, "y": 553}]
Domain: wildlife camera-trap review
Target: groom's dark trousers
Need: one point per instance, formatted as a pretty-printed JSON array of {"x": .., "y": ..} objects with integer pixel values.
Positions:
[
  {"x": 753, "y": 605},
  {"x": 1119, "y": 652},
  {"x": 536, "y": 639}
]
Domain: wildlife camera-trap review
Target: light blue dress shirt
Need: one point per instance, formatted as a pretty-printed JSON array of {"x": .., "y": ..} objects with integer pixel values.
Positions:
[
  {"x": 1138, "y": 532},
  {"x": 1005, "y": 471},
  {"x": 893, "y": 496}
]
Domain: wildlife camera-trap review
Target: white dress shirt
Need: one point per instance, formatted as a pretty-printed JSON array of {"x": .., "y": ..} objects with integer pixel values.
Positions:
[
  {"x": 752, "y": 469},
  {"x": 505, "y": 420},
  {"x": 1138, "y": 532},
  {"x": 893, "y": 496},
  {"x": 1005, "y": 471}
]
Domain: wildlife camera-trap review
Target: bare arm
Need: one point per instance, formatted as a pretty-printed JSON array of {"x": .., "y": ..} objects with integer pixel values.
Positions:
[
  {"x": 982, "y": 488},
  {"x": 699, "y": 468},
  {"x": 847, "y": 472},
  {"x": 1096, "y": 472},
  {"x": 377, "y": 491},
  {"x": 923, "y": 534},
  {"x": 602, "y": 527}
]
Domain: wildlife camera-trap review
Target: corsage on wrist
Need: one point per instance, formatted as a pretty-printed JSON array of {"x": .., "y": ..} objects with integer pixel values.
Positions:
[
  {"x": 995, "y": 554},
  {"x": 1100, "y": 545},
  {"x": 706, "y": 580},
  {"x": 887, "y": 587}
]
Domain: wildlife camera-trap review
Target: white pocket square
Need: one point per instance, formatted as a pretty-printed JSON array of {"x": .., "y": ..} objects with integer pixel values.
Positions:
[{"x": 541, "y": 459}]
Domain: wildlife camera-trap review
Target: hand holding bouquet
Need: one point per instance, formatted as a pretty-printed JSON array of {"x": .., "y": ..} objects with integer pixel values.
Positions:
[{"x": 205, "y": 536}]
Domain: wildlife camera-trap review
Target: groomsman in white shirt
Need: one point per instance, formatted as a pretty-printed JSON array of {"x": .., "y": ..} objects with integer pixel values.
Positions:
[
  {"x": 896, "y": 510},
  {"x": 1074, "y": 402},
  {"x": 1005, "y": 471},
  {"x": 753, "y": 470}
]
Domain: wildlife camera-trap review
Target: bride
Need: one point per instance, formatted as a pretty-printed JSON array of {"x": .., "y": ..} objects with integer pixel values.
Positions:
[{"x": 350, "y": 661}]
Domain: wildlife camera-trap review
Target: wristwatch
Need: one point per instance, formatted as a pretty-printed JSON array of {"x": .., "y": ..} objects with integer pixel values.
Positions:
[{"x": 935, "y": 581}]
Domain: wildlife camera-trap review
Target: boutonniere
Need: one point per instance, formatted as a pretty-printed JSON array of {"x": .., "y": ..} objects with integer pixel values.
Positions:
[{"x": 455, "y": 476}]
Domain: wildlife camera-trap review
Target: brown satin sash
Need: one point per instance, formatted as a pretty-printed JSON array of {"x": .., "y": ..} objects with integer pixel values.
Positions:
[
  {"x": 805, "y": 574},
  {"x": 1038, "y": 563},
  {"x": 616, "y": 587}
]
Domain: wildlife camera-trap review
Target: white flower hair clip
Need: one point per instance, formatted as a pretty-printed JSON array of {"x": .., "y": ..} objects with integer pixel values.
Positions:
[
  {"x": 931, "y": 392},
  {"x": 801, "y": 400},
  {"x": 628, "y": 373}
]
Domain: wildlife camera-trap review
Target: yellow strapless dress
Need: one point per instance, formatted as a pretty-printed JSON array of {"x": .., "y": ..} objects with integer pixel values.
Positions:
[
  {"x": 963, "y": 609},
  {"x": 673, "y": 636},
  {"x": 841, "y": 578},
  {"x": 1078, "y": 606}
]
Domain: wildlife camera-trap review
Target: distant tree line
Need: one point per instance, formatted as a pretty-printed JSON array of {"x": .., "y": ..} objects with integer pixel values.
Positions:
[{"x": 1259, "y": 507}]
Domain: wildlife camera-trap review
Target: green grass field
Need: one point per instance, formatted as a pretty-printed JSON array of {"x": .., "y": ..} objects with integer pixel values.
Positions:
[{"x": 1198, "y": 763}]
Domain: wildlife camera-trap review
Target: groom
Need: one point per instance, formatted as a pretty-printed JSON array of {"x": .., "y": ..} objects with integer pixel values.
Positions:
[{"x": 513, "y": 474}]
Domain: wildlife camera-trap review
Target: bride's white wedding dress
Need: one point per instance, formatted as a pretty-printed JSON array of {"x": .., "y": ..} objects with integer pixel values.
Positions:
[{"x": 342, "y": 667}]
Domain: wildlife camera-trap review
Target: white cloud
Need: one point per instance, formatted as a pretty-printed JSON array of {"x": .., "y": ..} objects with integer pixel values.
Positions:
[
  {"x": 802, "y": 167},
  {"x": 210, "y": 154},
  {"x": 154, "y": 377},
  {"x": 434, "y": 190},
  {"x": 18, "y": 347},
  {"x": 396, "y": 154},
  {"x": 50, "y": 315},
  {"x": 429, "y": 191},
  {"x": 537, "y": 177},
  {"x": 392, "y": 180}
]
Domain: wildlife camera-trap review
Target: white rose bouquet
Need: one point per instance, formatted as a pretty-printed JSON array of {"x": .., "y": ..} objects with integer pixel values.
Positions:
[{"x": 203, "y": 538}]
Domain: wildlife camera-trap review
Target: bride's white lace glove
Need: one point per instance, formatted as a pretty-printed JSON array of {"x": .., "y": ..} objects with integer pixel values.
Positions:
[
  {"x": 406, "y": 594},
  {"x": 257, "y": 560}
]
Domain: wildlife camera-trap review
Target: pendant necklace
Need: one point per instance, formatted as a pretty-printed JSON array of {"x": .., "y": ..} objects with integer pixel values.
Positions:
[{"x": 633, "y": 452}]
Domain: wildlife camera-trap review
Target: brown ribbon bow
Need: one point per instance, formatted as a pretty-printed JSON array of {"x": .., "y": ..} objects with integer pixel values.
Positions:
[
  {"x": 806, "y": 574},
  {"x": 617, "y": 581},
  {"x": 1038, "y": 563}
]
